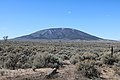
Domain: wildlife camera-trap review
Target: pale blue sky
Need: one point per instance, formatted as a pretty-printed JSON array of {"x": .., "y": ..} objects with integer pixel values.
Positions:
[{"x": 97, "y": 17}]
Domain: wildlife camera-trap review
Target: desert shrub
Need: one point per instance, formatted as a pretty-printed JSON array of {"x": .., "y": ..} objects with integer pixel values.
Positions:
[
  {"x": 12, "y": 61},
  {"x": 19, "y": 64},
  {"x": 23, "y": 58},
  {"x": 27, "y": 52},
  {"x": 110, "y": 60},
  {"x": 17, "y": 60},
  {"x": 53, "y": 60},
  {"x": 17, "y": 49},
  {"x": 116, "y": 69},
  {"x": 46, "y": 60},
  {"x": 65, "y": 57},
  {"x": 98, "y": 63},
  {"x": 26, "y": 65},
  {"x": 88, "y": 70},
  {"x": 89, "y": 56},
  {"x": 9, "y": 49},
  {"x": 74, "y": 59},
  {"x": 81, "y": 57},
  {"x": 39, "y": 61},
  {"x": 66, "y": 54}
]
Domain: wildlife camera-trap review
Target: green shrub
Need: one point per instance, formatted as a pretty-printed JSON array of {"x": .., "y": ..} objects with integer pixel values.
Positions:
[
  {"x": 88, "y": 70},
  {"x": 46, "y": 60},
  {"x": 11, "y": 63},
  {"x": 26, "y": 65},
  {"x": 110, "y": 60},
  {"x": 39, "y": 61},
  {"x": 74, "y": 59}
]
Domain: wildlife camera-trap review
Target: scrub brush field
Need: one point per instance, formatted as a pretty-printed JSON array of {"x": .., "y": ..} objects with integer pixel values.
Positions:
[{"x": 59, "y": 60}]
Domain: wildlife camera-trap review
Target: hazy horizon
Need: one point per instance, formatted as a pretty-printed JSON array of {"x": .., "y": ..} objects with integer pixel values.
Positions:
[{"x": 96, "y": 17}]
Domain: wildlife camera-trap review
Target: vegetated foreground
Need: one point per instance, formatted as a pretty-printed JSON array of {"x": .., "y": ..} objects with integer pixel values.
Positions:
[{"x": 58, "y": 60}]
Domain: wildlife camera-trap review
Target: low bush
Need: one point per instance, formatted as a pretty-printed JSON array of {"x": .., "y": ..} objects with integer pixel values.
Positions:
[
  {"x": 110, "y": 60},
  {"x": 46, "y": 60},
  {"x": 74, "y": 59},
  {"x": 88, "y": 70}
]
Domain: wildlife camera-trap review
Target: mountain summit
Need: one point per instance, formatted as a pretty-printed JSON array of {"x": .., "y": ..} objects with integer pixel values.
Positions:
[{"x": 60, "y": 33}]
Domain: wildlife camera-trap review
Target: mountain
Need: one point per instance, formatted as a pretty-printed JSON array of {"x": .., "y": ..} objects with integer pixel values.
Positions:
[{"x": 59, "y": 33}]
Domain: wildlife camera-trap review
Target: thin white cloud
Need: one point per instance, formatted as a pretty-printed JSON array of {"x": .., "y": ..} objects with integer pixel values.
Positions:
[{"x": 69, "y": 12}]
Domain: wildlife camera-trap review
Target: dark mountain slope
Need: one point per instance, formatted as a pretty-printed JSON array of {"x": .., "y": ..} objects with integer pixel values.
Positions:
[{"x": 60, "y": 33}]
